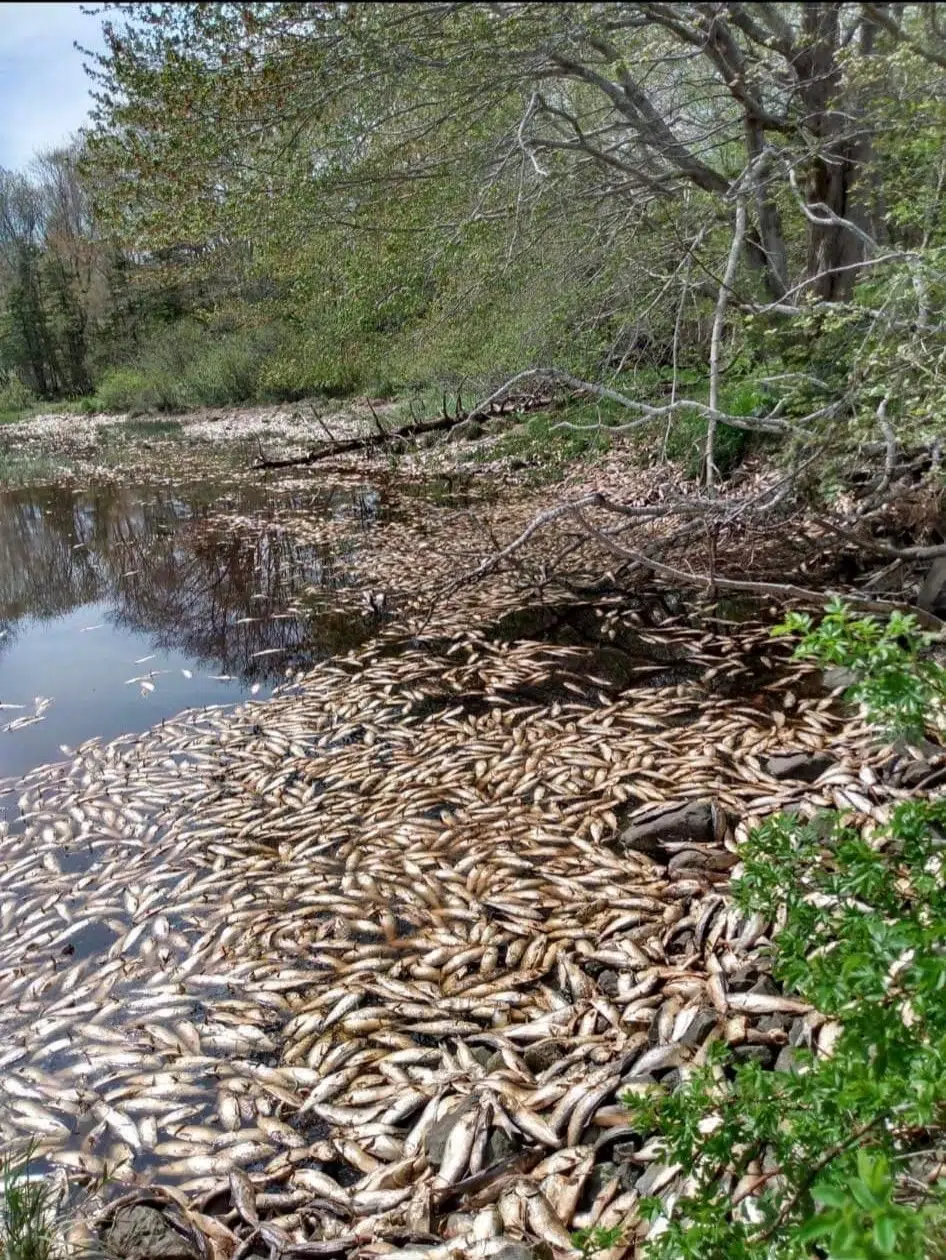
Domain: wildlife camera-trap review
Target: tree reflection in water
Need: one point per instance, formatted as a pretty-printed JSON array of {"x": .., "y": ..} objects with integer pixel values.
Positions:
[{"x": 154, "y": 556}]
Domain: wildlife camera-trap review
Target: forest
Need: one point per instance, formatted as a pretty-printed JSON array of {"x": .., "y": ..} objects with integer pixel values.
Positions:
[{"x": 732, "y": 205}]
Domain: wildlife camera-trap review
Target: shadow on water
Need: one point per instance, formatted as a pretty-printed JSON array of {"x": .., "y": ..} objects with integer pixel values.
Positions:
[{"x": 125, "y": 605}]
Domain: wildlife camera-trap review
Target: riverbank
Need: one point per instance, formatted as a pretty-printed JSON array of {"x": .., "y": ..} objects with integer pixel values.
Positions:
[{"x": 367, "y": 967}]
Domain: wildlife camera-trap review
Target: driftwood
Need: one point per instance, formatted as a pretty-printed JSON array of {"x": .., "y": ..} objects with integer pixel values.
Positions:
[
  {"x": 491, "y": 406},
  {"x": 364, "y": 443}
]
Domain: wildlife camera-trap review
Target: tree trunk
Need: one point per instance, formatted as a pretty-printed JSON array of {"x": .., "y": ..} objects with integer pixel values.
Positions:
[{"x": 832, "y": 171}]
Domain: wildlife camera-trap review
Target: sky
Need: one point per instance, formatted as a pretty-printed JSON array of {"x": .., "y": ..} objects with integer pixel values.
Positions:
[{"x": 44, "y": 92}]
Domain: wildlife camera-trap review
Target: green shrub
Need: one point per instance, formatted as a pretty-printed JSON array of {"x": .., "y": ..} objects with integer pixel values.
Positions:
[
  {"x": 125, "y": 389},
  {"x": 16, "y": 399},
  {"x": 837, "y": 1141},
  {"x": 901, "y": 688},
  {"x": 188, "y": 364}
]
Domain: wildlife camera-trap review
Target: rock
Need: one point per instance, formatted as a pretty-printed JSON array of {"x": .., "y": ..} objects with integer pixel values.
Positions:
[
  {"x": 543, "y": 1054},
  {"x": 703, "y": 1022},
  {"x": 598, "y": 1178},
  {"x": 804, "y": 766},
  {"x": 765, "y": 1055},
  {"x": 609, "y": 982},
  {"x": 774, "y": 1023},
  {"x": 836, "y": 676},
  {"x": 499, "y": 1146},
  {"x": 932, "y": 596},
  {"x": 786, "y": 1060},
  {"x": 144, "y": 1233},
  {"x": 766, "y": 986},
  {"x": 798, "y": 1033},
  {"x": 701, "y": 822},
  {"x": 441, "y": 1129}
]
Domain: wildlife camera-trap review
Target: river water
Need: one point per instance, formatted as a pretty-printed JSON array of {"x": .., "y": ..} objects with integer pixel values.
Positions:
[{"x": 122, "y": 605}]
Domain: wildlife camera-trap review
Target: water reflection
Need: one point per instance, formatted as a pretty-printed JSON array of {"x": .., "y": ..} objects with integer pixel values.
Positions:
[{"x": 91, "y": 582}]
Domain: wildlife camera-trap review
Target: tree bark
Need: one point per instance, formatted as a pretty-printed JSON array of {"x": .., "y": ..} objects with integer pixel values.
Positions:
[{"x": 833, "y": 168}]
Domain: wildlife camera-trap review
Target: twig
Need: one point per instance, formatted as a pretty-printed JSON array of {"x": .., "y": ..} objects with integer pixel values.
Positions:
[{"x": 812, "y": 1175}]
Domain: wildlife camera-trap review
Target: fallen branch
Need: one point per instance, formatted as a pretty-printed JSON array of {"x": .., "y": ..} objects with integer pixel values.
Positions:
[
  {"x": 351, "y": 445},
  {"x": 381, "y": 436},
  {"x": 781, "y": 590}
]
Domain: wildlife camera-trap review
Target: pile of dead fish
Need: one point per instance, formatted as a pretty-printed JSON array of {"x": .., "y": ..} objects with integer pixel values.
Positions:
[{"x": 367, "y": 968}]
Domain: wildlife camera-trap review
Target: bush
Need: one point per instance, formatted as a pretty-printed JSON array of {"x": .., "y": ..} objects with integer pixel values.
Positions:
[
  {"x": 833, "y": 1149},
  {"x": 125, "y": 389},
  {"x": 188, "y": 364},
  {"x": 15, "y": 397}
]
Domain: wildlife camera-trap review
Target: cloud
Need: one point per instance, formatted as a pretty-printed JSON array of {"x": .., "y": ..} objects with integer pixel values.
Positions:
[{"x": 44, "y": 92}]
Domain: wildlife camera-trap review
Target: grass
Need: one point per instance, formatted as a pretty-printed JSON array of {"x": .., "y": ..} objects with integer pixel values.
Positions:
[
  {"x": 26, "y": 1226},
  {"x": 28, "y": 469},
  {"x": 548, "y": 449},
  {"x": 138, "y": 429}
]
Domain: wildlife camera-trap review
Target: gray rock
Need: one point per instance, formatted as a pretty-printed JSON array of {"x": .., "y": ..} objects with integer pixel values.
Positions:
[
  {"x": 766, "y": 986},
  {"x": 499, "y": 1146},
  {"x": 804, "y": 766},
  {"x": 600, "y": 1176},
  {"x": 774, "y": 1023},
  {"x": 798, "y": 1033},
  {"x": 144, "y": 1233},
  {"x": 697, "y": 821},
  {"x": 441, "y": 1129},
  {"x": 836, "y": 676},
  {"x": 702, "y": 1024},
  {"x": 759, "y": 1054},
  {"x": 932, "y": 596},
  {"x": 786, "y": 1060},
  {"x": 608, "y": 982}
]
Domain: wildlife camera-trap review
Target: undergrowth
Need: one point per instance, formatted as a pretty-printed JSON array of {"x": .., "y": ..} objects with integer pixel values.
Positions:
[
  {"x": 841, "y": 1156},
  {"x": 25, "y": 1227}
]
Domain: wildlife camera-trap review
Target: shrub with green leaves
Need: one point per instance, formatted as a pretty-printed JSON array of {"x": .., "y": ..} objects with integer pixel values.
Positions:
[
  {"x": 900, "y": 685},
  {"x": 842, "y": 1155}
]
